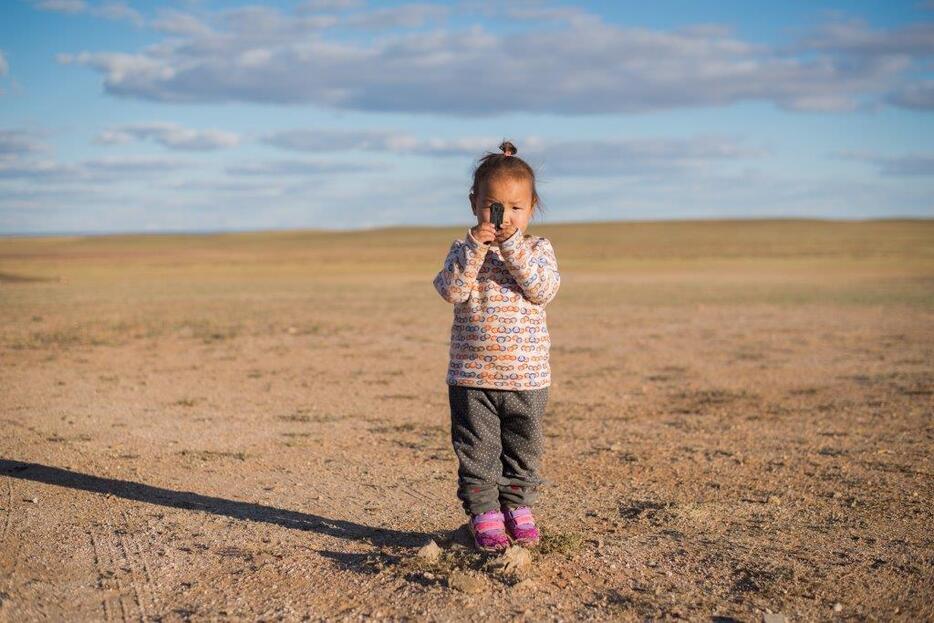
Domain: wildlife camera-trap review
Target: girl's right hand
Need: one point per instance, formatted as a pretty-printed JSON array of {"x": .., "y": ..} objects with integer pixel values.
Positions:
[{"x": 484, "y": 233}]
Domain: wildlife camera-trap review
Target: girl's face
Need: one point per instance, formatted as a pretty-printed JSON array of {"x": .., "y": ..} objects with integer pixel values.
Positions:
[{"x": 514, "y": 193}]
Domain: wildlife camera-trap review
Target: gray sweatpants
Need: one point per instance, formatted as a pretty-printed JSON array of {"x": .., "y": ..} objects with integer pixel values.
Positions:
[{"x": 497, "y": 437}]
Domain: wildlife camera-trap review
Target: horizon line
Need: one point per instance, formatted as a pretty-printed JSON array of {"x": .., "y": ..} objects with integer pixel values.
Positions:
[{"x": 350, "y": 230}]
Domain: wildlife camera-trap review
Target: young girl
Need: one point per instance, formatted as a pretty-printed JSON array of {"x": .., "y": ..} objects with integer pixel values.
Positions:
[{"x": 499, "y": 281}]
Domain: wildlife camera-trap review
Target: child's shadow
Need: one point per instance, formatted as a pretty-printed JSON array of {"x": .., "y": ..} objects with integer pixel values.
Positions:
[
  {"x": 373, "y": 563},
  {"x": 219, "y": 506}
]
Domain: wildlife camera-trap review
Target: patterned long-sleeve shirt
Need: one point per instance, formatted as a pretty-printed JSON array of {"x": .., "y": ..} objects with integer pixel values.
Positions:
[{"x": 499, "y": 338}]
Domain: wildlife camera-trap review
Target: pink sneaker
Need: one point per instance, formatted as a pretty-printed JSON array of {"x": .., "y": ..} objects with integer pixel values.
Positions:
[
  {"x": 521, "y": 525},
  {"x": 489, "y": 533}
]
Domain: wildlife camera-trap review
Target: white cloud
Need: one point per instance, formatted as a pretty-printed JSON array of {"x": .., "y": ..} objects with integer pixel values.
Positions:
[
  {"x": 571, "y": 63},
  {"x": 19, "y": 143},
  {"x": 62, "y": 6},
  {"x": 329, "y": 140},
  {"x": 822, "y": 103},
  {"x": 643, "y": 158},
  {"x": 300, "y": 167},
  {"x": 606, "y": 179},
  {"x": 220, "y": 186},
  {"x": 175, "y": 22},
  {"x": 118, "y": 11},
  {"x": 111, "y": 9},
  {"x": 856, "y": 36},
  {"x": 909, "y": 165},
  {"x": 133, "y": 164},
  {"x": 170, "y": 135},
  {"x": 322, "y": 140},
  {"x": 404, "y": 16},
  {"x": 203, "y": 203},
  {"x": 15, "y": 168},
  {"x": 261, "y": 25},
  {"x": 110, "y": 170},
  {"x": 611, "y": 157},
  {"x": 540, "y": 13},
  {"x": 917, "y": 95},
  {"x": 330, "y": 5},
  {"x": 124, "y": 70}
]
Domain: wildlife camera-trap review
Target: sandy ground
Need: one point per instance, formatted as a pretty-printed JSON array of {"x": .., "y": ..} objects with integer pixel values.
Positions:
[{"x": 255, "y": 427}]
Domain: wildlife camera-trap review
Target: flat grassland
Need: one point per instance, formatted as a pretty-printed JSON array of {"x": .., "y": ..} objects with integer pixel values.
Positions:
[{"x": 255, "y": 426}]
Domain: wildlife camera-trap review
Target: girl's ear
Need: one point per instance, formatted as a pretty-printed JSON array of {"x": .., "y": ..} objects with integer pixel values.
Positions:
[{"x": 472, "y": 198}]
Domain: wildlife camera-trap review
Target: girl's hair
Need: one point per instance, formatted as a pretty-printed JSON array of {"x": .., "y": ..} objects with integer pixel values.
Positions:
[{"x": 506, "y": 163}]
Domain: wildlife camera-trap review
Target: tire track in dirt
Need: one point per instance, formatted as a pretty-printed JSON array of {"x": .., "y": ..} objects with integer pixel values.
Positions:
[
  {"x": 9, "y": 511},
  {"x": 139, "y": 568},
  {"x": 104, "y": 578},
  {"x": 10, "y": 549},
  {"x": 124, "y": 575}
]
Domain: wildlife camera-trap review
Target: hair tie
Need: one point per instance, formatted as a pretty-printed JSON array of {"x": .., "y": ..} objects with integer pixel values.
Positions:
[{"x": 507, "y": 148}]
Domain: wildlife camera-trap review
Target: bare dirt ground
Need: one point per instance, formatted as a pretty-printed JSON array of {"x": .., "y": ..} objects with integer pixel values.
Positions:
[{"x": 255, "y": 427}]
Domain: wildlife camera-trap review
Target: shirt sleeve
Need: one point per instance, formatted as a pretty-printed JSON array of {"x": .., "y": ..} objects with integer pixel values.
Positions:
[
  {"x": 458, "y": 276},
  {"x": 533, "y": 265}
]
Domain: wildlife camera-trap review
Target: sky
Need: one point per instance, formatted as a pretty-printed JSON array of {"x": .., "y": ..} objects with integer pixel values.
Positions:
[{"x": 344, "y": 114}]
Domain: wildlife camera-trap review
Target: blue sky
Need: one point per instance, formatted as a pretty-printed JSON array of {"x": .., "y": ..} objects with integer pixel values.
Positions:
[{"x": 201, "y": 116}]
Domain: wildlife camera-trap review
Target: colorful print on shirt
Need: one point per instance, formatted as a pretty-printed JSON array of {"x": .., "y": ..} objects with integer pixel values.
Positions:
[{"x": 499, "y": 337}]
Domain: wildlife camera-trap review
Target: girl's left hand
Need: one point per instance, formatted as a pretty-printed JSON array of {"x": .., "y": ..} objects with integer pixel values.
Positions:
[{"x": 504, "y": 232}]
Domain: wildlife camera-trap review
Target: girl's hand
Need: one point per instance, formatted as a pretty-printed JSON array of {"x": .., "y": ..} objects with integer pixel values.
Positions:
[
  {"x": 484, "y": 233},
  {"x": 507, "y": 230}
]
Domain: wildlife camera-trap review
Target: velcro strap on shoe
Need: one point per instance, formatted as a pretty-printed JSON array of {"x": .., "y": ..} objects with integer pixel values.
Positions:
[
  {"x": 489, "y": 526},
  {"x": 522, "y": 517}
]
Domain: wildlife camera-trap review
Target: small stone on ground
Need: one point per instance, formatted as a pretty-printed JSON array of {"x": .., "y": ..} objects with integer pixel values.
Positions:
[
  {"x": 429, "y": 552},
  {"x": 458, "y": 580}
]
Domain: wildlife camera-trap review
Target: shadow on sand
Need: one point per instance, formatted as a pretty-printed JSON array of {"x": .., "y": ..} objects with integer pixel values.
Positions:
[{"x": 219, "y": 506}]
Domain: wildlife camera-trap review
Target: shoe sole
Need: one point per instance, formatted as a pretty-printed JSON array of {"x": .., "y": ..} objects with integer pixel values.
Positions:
[
  {"x": 486, "y": 549},
  {"x": 522, "y": 542}
]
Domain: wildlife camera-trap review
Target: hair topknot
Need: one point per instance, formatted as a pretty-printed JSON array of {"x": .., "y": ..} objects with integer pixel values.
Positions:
[{"x": 505, "y": 163}]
